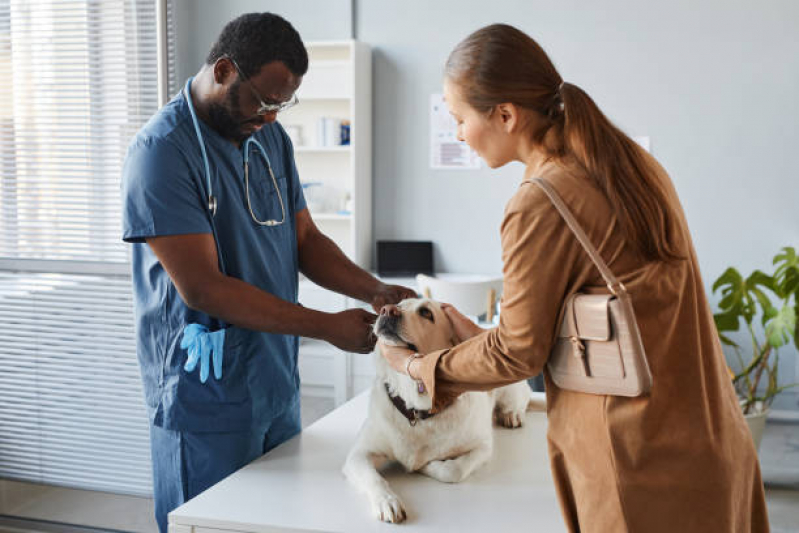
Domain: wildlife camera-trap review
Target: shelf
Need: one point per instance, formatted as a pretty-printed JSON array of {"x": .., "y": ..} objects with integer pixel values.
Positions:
[
  {"x": 322, "y": 149},
  {"x": 331, "y": 216},
  {"x": 328, "y": 44},
  {"x": 322, "y": 98}
]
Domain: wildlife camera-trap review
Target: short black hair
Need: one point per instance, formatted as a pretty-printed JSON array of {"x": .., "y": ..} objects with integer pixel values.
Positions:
[{"x": 255, "y": 39}]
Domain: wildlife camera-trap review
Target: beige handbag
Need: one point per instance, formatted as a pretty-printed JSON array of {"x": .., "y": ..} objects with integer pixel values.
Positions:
[{"x": 599, "y": 348}]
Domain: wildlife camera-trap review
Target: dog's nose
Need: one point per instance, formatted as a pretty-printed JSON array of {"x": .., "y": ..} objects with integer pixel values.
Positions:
[{"x": 389, "y": 310}]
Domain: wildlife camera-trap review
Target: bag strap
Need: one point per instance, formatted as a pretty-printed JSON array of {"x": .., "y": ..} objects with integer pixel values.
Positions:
[{"x": 615, "y": 286}]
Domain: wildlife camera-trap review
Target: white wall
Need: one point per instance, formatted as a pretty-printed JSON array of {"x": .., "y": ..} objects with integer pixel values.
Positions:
[
  {"x": 714, "y": 84},
  {"x": 198, "y": 23}
]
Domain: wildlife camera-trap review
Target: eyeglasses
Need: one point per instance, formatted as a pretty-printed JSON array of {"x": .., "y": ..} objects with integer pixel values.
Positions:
[{"x": 263, "y": 107}]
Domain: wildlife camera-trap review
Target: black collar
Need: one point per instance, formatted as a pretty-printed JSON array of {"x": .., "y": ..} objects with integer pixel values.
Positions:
[{"x": 413, "y": 415}]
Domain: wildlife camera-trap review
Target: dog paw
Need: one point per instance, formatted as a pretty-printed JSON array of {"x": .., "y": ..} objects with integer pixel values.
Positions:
[
  {"x": 510, "y": 419},
  {"x": 445, "y": 471},
  {"x": 388, "y": 508}
]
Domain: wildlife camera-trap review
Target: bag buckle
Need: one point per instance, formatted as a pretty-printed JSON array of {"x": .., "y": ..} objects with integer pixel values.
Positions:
[{"x": 578, "y": 349}]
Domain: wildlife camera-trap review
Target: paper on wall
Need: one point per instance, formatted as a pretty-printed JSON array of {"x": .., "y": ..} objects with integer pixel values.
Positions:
[{"x": 446, "y": 151}]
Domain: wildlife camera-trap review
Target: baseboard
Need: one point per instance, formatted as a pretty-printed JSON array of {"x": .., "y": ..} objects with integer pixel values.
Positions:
[
  {"x": 784, "y": 416},
  {"x": 14, "y": 524}
]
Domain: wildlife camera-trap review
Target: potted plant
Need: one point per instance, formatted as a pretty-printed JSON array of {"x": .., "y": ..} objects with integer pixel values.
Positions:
[{"x": 776, "y": 297}]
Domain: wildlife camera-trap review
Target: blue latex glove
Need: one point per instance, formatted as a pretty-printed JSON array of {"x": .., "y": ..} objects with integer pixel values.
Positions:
[{"x": 201, "y": 344}]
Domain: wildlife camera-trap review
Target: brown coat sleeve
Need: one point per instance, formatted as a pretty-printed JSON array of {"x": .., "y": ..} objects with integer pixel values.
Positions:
[{"x": 540, "y": 256}]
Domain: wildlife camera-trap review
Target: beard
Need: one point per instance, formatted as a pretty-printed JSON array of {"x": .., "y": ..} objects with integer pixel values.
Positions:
[{"x": 226, "y": 118}]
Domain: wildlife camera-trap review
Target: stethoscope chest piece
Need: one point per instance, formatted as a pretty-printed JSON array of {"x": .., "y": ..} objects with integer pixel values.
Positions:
[{"x": 212, "y": 205}]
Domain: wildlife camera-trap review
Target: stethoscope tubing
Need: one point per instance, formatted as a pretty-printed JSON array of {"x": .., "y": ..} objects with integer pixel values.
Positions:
[{"x": 212, "y": 201}]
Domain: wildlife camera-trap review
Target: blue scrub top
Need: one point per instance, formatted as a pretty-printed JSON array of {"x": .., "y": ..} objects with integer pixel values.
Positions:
[{"x": 164, "y": 193}]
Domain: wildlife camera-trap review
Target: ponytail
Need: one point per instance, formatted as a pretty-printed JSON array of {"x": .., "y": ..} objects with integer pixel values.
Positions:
[{"x": 621, "y": 170}]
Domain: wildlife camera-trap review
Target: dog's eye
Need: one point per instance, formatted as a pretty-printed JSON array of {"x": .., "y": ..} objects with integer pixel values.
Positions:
[{"x": 424, "y": 312}]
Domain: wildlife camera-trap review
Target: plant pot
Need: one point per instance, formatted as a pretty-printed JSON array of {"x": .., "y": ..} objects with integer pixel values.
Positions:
[{"x": 757, "y": 424}]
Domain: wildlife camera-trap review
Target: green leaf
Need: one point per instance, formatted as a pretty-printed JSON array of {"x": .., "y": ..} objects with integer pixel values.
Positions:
[
  {"x": 730, "y": 277},
  {"x": 796, "y": 327},
  {"x": 727, "y": 321},
  {"x": 769, "y": 314},
  {"x": 763, "y": 300},
  {"x": 781, "y": 326},
  {"x": 760, "y": 278},
  {"x": 726, "y": 340},
  {"x": 790, "y": 283},
  {"x": 787, "y": 264},
  {"x": 735, "y": 294},
  {"x": 788, "y": 258}
]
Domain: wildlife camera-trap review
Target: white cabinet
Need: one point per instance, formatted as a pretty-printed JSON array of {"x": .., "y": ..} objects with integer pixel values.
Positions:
[
  {"x": 337, "y": 182},
  {"x": 324, "y": 369},
  {"x": 337, "y": 179}
]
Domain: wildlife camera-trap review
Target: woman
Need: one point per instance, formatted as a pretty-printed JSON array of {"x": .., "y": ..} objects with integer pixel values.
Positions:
[{"x": 678, "y": 459}]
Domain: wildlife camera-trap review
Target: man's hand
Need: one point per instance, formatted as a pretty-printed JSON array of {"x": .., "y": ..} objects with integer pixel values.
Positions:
[
  {"x": 351, "y": 331},
  {"x": 390, "y": 295}
]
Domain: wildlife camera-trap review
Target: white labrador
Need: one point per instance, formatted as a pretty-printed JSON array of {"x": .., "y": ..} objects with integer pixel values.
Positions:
[{"x": 447, "y": 446}]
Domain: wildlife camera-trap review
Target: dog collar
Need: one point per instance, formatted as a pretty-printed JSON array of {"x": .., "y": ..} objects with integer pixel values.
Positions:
[{"x": 413, "y": 415}]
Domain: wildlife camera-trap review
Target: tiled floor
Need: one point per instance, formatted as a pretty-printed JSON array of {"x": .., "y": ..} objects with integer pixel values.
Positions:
[{"x": 779, "y": 460}]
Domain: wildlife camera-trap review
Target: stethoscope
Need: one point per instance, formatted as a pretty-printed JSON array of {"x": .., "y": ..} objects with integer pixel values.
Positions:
[{"x": 212, "y": 203}]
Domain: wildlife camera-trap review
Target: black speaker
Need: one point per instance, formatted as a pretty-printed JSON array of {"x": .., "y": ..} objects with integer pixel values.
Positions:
[{"x": 404, "y": 258}]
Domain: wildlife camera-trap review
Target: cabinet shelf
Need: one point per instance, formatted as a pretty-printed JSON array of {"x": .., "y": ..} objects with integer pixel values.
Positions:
[
  {"x": 321, "y": 98},
  {"x": 331, "y": 216},
  {"x": 322, "y": 149}
]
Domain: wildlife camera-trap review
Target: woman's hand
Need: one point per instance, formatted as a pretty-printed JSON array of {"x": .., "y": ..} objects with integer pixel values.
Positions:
[
  {"x": 395, "y": 356},
  {"x": 463, "y": 326}
]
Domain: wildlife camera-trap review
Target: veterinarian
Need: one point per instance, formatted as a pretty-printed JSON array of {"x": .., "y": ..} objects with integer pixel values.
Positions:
[
  {"x": 677, "y": 459},
  {"x": 213, "y": 206}
]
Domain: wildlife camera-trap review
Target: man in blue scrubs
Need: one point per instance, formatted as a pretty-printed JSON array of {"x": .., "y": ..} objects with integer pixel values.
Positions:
[{"x": 226, "y": 271}]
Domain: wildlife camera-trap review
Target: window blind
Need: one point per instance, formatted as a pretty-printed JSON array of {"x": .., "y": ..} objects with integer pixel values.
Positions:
[
  {"x": 78, "y": 78},
  {"x": 70, "y": 397}
]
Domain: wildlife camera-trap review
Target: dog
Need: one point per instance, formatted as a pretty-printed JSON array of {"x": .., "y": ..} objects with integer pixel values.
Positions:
[{"x": 447, "y": 446}]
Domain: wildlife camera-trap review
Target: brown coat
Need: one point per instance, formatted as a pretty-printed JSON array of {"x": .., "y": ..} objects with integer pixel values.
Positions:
[{"x": 678, "y": 460}]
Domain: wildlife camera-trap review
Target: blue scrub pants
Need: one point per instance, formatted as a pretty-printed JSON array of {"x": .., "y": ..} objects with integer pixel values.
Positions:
[{"x": 185, "y": 463}]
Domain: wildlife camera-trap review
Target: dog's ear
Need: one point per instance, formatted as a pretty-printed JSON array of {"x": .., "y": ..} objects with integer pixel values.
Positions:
[{"x": 453, "y": 340}]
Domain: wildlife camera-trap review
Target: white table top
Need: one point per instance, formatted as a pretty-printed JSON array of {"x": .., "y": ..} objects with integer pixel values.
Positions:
[{"x": 299, "y": 486}]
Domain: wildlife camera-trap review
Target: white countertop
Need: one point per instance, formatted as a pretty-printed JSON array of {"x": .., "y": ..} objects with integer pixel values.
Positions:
[{"x": 299, "y": 486}]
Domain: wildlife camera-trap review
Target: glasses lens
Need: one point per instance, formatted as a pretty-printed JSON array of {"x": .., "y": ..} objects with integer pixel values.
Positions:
[
  {"x": 276, "y": 108},
  {"x": 291, "y": 102}
]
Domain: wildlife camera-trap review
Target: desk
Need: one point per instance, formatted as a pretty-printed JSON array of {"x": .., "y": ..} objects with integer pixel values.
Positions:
[{"x": 299, "y": 487}]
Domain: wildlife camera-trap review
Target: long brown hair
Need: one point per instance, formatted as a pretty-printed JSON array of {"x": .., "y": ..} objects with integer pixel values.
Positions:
[{"x": 501, "y": 64}]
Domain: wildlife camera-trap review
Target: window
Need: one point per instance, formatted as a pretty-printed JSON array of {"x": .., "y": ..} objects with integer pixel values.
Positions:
[{"x": 78, "y": 78}]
